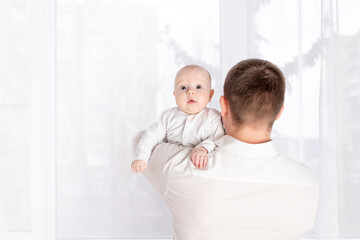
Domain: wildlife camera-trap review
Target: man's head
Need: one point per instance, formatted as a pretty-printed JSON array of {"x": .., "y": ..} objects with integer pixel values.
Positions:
[
  {"x": 254, "y": 92},
  {"x": 192, "y": 89}
]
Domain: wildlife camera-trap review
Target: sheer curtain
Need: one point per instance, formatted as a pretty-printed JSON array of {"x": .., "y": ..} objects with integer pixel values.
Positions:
[
  {"x": 116, "y": 62},
  {"x": 14, "y": 120},
  {"x": 316, "y": 44},
  {"x": 339, "y": 153},
  {"x": 27, "y": 119},
  {"x": 115, "y": 72},
  {"x": 72, "y": 94}
]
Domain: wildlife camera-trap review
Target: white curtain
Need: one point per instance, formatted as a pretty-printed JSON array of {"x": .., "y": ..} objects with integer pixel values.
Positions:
[
  {"x": 27, "y": 119},
  {"x": 317, "y": 45},
  {"x": 339, "y": 153},
  {"x": 69, "y": 110},
  {"x": 116, "y": 62},
  {"x": 14, "y": 120}
]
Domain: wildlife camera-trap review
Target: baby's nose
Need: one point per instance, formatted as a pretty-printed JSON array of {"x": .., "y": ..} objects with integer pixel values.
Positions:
[{"x": 190, "y": 92}]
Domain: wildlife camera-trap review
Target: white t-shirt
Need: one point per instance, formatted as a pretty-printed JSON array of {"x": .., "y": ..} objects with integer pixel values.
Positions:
[
  {"x": 246, "y": 191},
  {"x": 175, "y": 126}
]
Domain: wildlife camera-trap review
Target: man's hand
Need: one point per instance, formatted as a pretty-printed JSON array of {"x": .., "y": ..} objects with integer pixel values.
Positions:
[
  {"x": 199, "y": 157},
  {"x": 138, "y": 166}
]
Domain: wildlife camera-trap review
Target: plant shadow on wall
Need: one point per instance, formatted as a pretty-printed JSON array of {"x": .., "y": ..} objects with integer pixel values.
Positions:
[{"x": 181, "y": 56}]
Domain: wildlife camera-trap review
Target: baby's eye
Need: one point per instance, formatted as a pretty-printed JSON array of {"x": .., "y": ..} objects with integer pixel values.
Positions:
[
  {"x": 198, "y": 87},
  {"x": 183, "y": 88}
]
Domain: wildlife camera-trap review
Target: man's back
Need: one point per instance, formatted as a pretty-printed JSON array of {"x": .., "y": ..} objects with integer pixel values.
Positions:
[{"x": 247, "y": 191}]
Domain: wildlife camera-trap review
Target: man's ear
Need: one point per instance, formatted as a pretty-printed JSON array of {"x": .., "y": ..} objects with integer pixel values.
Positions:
[
  {"x": 211, "y": 94},
  {"x": 279, "y": 114},
  {"x": 224, "y": 106}
]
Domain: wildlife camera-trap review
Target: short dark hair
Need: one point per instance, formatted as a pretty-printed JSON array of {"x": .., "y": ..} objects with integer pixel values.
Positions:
[{"x": 255, "y": 92}]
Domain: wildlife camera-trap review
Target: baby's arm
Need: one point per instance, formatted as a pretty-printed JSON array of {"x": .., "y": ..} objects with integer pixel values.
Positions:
[
  {"x": 154, "y": 135},
  {"x": 199, "y": 155}
]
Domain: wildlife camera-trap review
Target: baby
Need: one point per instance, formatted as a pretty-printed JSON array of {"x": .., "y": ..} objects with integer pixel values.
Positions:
[{"x": 190, "y": 124}]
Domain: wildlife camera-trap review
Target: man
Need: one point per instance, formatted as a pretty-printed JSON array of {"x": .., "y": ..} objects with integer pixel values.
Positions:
[{"x": 247, "y": 190}]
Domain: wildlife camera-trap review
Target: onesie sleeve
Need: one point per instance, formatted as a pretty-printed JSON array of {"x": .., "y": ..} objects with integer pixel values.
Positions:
[
  {"x": 216, "y": 131},
  {"x": 154, "y": 135}
]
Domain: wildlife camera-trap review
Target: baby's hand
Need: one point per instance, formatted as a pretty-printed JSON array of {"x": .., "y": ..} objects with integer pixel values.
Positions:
[
  {"x": 138, "y": 166},
  {"x": 199, "y": 157}
]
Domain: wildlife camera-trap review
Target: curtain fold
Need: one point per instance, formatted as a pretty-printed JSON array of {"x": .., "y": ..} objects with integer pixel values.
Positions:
[
  {"x": 316, "y": 44},
  {"x": 327, "y": 224},
  {"x": 339, "y": 172},
  {"x": 116, "y": 63}
]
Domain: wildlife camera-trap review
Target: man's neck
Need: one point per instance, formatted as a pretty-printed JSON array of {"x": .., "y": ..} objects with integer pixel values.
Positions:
[{"x": 250, "y": 135}]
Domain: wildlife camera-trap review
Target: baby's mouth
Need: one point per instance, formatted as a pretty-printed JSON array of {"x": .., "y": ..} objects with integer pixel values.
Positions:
[{"x": 191, "y": 101}]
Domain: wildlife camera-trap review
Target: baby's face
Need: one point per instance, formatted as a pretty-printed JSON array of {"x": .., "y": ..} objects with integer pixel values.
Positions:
[{"x": 192, "y": 90}]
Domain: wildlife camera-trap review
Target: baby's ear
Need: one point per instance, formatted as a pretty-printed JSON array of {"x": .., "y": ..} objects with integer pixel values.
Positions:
[
  {"x": 174, "y": 93},
  {"x": 211, "y": 94}
]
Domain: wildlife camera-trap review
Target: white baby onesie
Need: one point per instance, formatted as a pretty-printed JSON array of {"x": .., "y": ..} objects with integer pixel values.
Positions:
[{"x": 175, "y": 126}]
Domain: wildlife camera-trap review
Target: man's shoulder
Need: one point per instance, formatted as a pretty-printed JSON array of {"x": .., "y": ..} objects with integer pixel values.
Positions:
[
  {"x": 278, "y": 169},
  {"x": 292, "y": 171}
]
